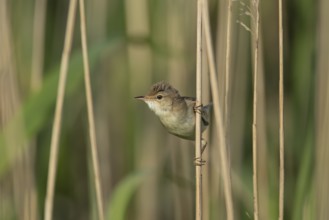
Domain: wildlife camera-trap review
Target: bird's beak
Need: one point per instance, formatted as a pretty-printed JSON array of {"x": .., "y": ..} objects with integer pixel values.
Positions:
[{"x": 140, "y": 98}]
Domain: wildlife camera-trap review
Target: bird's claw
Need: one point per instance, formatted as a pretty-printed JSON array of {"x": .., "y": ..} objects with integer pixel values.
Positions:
[
  {"x": 198, "y": 109},
  {"x": 199, "y": 162}
]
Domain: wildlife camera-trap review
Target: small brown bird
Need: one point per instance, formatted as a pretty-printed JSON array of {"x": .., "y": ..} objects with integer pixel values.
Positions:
[{"x": 176, "y": 112}]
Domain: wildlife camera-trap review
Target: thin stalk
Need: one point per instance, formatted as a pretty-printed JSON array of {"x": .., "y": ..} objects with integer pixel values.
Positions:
[
  {"x": 38, "y": 43},
  {"x": 281, "y": 103},
  {"x": 58, "y": 112},
  {"x": 90, "y": 110},
  {"x": 321, "y": 203},
  {"x": 254, "y": 125},
  {"x": 218, "y": 115},
  {"x": 198, "y": 169},
  {"x": 227, "y": 65}
]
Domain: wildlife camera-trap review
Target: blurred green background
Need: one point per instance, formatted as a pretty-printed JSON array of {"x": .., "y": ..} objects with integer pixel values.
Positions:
[{"x": 145, "y": 172}]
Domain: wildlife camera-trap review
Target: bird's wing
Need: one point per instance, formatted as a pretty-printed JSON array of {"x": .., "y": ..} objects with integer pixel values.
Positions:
[{"x": 205, "y": 111}]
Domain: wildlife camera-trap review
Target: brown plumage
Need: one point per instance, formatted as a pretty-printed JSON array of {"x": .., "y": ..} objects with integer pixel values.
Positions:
[
  {"x": 160, "y": 87},
  {"x": 176, "y": 112}
]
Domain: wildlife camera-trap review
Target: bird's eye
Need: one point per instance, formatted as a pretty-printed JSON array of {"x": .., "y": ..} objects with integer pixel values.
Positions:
[{"x": 159, "y": 97}]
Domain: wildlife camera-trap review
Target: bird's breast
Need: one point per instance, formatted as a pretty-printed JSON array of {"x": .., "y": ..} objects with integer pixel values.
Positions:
[{"x": 179, "y": 124}]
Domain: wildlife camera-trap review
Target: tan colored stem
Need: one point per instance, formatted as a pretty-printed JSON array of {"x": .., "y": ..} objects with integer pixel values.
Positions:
[
  {"x": 58, "y": 112},
  {"x": 90, "y": 110},
  {"x": 281, "y": 128},
  {"x": 255, "y": 106},
  {"x": 198, "y": 169},
  {"x": 218, "y": 116}
]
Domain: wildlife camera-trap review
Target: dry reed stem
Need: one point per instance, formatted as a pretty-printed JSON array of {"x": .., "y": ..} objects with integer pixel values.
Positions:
[
  {"x": 198, "y": 169},
  {"x": 206, "y": 175},
  {"x": 254, "y": 125},
  {"x": 90, "y": 110},
  {"x": 218, "y": 115},
  {"x": 17, "y": 185},
  {"x": 281, "y": 127},
  {"x": 321, "y": 182},
  {"x": 36, "y": 79},
  {"x": 38, "y": 43},
  {"x": 227, "y": 66},
  {"x": 58, "y": 112}
]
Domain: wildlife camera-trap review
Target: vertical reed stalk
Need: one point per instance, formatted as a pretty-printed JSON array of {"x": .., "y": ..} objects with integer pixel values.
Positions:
[
  {"x": 198, "y": 169},
  {"x": 218, "y": 115},
  {"x": 90, "y": 110},
  {"x": 38, "y": 43},
  {"x": 321, "y": 182},
  {"x": 254, "y": 125},
  {"x": 227, "y": 66},
  {"x": 58, "y": 112},
  {"x": 281, "y": 127}
]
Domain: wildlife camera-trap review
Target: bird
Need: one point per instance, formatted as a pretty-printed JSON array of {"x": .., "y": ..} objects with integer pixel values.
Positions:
[{"x": 176, "y": 112}]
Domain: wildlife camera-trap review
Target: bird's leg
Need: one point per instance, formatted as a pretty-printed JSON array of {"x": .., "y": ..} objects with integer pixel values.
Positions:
[
  {"x": 198, "y": 161},
  {"x": 204, "y": 145}
]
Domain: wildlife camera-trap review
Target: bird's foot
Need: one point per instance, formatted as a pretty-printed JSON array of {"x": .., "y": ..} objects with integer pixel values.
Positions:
[
  {"x": 198, "y": 108},
  {"x": 199, "y": 162}
]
